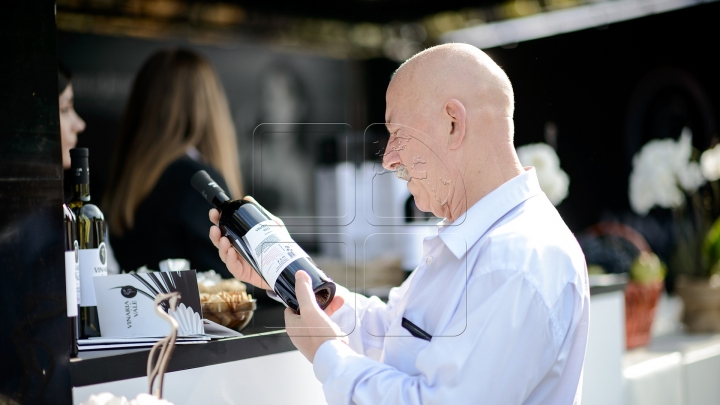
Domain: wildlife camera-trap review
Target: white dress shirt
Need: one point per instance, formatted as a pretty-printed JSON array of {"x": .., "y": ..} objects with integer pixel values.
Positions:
[{"x": 503, "y": 291}]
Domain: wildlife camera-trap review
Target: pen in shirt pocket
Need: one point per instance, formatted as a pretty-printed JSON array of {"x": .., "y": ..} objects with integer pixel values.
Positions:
[{"x": 415, "y": 330}]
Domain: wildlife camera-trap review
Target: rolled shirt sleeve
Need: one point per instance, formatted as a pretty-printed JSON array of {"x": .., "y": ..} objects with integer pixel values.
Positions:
[{"x": 505, "y": 349}]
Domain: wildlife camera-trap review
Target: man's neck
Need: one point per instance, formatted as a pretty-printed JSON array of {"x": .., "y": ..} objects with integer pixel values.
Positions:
[{"x": 482, "y": 180}]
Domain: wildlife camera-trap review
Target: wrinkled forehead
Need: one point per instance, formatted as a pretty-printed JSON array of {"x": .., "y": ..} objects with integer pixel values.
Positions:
[
  {"x": 400, "y": 105},
  {"x": 391, "y": 102}
]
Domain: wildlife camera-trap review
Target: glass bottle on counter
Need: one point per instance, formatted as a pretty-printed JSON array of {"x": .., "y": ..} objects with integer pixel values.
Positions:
[
  {"x": 72, "y": 275},
  {"x": 91, "y": 242},
  {"x": 267, "y": 247}
]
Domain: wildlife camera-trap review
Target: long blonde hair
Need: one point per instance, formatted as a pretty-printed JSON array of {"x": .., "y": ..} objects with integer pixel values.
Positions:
[{"x": 176, "y": 103}]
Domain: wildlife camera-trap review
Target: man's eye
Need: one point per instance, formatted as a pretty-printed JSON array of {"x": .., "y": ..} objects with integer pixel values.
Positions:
[{"x": 64, "y": 110}]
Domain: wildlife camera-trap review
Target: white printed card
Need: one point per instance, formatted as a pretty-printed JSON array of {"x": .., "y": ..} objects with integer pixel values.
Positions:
[{"x": 126, "y": 304}]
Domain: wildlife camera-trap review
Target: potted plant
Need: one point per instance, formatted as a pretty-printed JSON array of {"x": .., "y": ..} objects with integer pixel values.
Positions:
[
  {"x": 647, "y": 274},
  {"x": 616, "y": 248},
  {"x": 700, "y": 287},
  {"x": 666, "y": 174}
]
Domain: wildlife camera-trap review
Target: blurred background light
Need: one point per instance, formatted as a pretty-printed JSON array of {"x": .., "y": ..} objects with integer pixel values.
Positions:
[{"x": 358, "y": 29}]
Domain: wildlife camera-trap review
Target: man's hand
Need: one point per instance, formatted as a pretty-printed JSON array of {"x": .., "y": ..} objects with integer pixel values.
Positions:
[
  {"x": 239, "y": 268},
  {"x": 312, "y": 327}
]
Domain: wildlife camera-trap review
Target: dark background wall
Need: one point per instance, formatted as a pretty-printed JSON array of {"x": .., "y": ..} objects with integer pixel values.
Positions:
[
  {"x": 329, "y": 90},
  {"x": 606, "y": 90},
  {"x": 35, "y": 331},
  {"x": 609, "y": 91},
  {"x": 262, "y": 85}
]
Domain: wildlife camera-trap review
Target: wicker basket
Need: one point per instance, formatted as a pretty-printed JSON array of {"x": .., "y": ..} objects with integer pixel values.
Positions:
[
  {"x": 640, "y": 304},
  {"x": 640, "y": 299},
  {"x": 233, "y": 318},
  {"x": 230, "y": 309}
]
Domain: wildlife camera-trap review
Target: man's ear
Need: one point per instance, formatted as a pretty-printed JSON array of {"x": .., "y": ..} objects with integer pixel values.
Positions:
[{"x": 456, "y": 117}]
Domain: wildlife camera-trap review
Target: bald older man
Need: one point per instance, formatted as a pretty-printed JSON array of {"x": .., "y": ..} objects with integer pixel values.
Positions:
[{"x": 497, "y": 313}]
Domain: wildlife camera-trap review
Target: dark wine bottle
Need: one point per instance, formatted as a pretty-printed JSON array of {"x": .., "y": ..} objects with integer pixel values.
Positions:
[
  {"x": 265, "y": 245},
  {"x": 91, "y": 242},
  {"x": 72, "y": 276}
]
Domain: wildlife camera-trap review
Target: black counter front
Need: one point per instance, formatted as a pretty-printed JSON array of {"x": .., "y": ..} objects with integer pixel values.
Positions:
[
  {"x": 101, "y": 366},
  {"x": 263, "y": 337}
]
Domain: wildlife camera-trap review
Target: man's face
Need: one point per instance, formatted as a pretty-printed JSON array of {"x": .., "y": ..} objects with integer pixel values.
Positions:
[{"x": 415, "y": 153}]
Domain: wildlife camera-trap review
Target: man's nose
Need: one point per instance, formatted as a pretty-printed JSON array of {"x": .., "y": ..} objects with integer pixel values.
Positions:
[{"x": 391, "y": 159}]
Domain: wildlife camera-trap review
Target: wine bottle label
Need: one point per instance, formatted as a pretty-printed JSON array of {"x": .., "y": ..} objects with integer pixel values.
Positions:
[
  {"x": 272, "y": 248},
  {"x": 72, "y": 282},
  {"x": 93, "y": 263}
]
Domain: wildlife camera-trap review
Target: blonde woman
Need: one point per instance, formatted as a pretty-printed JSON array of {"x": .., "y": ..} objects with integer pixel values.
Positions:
[{"x": 176, "y": 122}]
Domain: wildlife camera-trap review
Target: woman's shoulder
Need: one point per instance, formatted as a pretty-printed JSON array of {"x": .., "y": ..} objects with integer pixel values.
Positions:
[
  {"x": 174, "y": 199},
  {"x": 179, "y": 172},
  {"x": 187, "y": 165}
]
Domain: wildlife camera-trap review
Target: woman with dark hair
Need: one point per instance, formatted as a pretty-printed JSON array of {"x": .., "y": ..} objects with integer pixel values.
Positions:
[
  {"x": 70, "y": 122},
  {"x": 176, "y": 122}
]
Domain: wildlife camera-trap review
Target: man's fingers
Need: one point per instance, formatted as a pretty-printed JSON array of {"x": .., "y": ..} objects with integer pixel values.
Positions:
[
  {"x": 334, "y": 305},
  {"x": 214, "y": 216},
  {"x": 215, "y": 235},
  {"x": 231, "y": 258},
  {"x": 304, "y": 292},
  {"x": 227, "y": 252},
  {"x": 223, "y": 248}
]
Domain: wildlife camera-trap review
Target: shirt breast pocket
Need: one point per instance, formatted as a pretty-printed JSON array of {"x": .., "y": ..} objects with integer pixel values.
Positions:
[{"x": 402, "y": 349}]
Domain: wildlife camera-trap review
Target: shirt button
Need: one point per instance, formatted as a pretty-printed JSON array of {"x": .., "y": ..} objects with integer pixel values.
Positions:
[{"x": 428, "y": 261}]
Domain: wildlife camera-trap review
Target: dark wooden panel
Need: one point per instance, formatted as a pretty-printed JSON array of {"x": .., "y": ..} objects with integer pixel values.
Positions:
[
  {"x": 35, "y": 332},
  {"x": 35, "y": 337},
  {"x": 29, "y": 92}
]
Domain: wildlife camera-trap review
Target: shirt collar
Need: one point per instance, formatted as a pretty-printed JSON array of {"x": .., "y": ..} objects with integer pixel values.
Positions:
[{"x": 473, "y": 224}]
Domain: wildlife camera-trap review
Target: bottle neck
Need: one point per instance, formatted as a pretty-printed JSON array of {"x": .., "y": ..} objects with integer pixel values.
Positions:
[
  {"x": 81, "y": 191},
  {"x": 81, "y": 179},
  {"x": 219, "y": 200}
]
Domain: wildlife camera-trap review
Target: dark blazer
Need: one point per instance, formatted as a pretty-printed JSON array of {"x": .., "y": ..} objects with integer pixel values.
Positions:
[{"x": 172, "y": 223}]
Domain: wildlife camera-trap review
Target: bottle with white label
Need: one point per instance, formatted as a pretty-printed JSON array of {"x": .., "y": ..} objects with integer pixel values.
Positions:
[
  {"x": 265, "y": 245},
  {"x": 72, "y": 276},
  {"x": 91, "y": 242}
]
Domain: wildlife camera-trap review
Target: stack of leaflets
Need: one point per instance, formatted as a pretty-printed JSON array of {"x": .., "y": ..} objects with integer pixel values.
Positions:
[
  {"x": 126, "y": 308},
  {"x": 212, "y": 331}
]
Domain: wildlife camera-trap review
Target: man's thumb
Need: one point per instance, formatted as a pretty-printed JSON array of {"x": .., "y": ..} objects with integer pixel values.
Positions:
[{"x": 304, "y": 292}]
